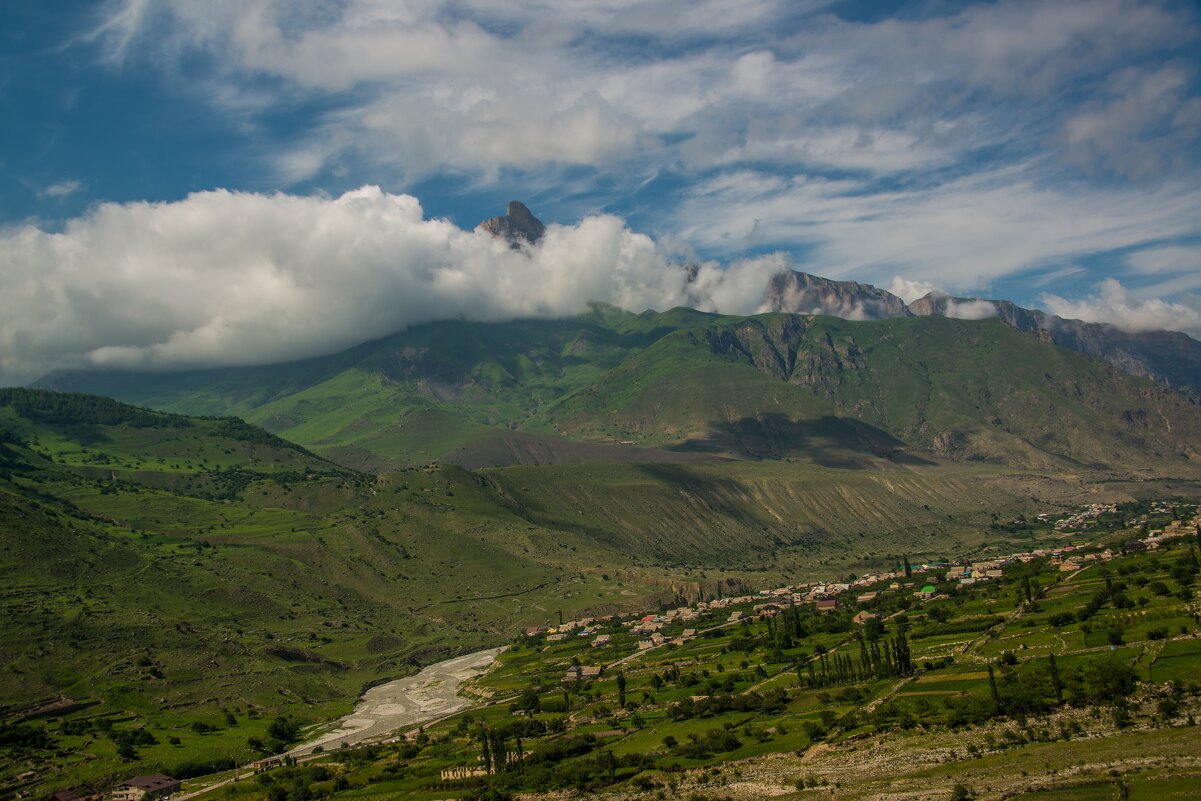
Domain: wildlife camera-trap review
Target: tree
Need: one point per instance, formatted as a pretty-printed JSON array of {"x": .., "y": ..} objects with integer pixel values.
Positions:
[
  {"x": 621, "y": 687},
  {"x": 1056, "y": 681},
  {"x": 283, "y": 729}
]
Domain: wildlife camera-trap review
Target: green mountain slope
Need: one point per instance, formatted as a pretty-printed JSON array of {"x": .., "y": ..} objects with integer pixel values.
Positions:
[
  {"x": 168, "y": 568},
  {"x": 198, "y": 577},
  {"x": 684, "y": 385},
  {"x": 841, "y": 392}
]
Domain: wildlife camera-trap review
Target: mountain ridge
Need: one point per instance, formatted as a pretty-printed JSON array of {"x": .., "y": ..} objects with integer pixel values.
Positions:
[{"x": 612, "y": 386}]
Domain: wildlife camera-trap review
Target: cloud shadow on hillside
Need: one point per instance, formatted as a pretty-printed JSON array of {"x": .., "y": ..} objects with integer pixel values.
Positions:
[{"x": 829, "y": 441}]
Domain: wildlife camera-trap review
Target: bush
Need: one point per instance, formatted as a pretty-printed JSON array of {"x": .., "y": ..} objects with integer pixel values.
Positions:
[{"x": 284, "y": 729}]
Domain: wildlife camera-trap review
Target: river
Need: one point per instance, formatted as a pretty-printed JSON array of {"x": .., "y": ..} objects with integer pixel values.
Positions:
[{"x": 402, "y": 704}]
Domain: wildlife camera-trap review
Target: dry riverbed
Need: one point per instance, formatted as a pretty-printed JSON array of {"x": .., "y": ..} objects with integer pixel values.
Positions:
[{"x": 402, "y": 704}]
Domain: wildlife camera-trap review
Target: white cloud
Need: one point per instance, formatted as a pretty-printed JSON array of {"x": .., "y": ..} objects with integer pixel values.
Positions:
[
  {"x": 961, "y": 235},
  {"x": 910, "y": 291},
  {"x": 1057, "y": 274},
  {"x": 60, "y": 189},
  {"x": 479, "y": 85},
  {"x": 1143, "y": 128},
  {"x": 970, "y": 309},
  {"x": 224, "y": 278},
  {"x": 1168, "y": 259},
  {"x": 1114, "y": 304}
]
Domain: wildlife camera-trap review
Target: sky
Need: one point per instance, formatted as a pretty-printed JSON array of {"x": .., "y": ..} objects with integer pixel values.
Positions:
[{"x": 188, "y": 184}]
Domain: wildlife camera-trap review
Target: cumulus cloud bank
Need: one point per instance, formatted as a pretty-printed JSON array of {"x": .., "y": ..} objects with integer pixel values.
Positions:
[
  {"x": 225, "y": 278},
  {"x": 1115, "y": 304}
]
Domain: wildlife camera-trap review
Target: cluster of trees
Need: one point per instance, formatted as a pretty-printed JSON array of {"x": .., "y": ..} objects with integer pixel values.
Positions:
[
  {"x": 968, "y": 626},
  {"x": 1018, "y": 689},
  {"x": 128, "y": 740},
  {"x": 237, "y": 429},
  {"x": 503, "y": 750},
  {"x": 72, "y": 408},
  {"x": 774, "y": 700},
  {"x": 24, "y": 735},
  {"x": 296, "y": 783},
  {"x": 283, "y": 731},
  {"x": 878, "y": 658},
  {"x": 703, "y": 746}
]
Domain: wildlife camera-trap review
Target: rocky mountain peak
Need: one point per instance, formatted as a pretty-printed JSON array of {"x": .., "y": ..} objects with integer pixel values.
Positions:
[
  {"x": 518, "y": 225},
  {"x": 802, "y": 293}
]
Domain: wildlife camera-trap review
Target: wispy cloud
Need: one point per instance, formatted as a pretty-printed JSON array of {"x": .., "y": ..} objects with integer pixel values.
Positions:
[
  {"x": 484, "y": 86},
  {"x": 962, "y": 234},
  {"x": 961, "y": 145},
  {"x": 60, "y": 189}
]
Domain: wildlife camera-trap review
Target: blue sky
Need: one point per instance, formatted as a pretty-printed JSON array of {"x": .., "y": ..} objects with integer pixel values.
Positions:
[{"x": 1045, "y": 152}]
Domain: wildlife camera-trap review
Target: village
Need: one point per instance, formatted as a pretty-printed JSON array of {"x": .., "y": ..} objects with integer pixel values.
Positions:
[
  {"x": 831, "y": 596},
  {"x": 669, "y": 628}
]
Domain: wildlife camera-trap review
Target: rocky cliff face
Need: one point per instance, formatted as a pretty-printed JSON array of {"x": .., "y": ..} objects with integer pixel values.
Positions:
[
  {"x": 1167, "y": 357},
  {"x": 802, "y": 293},
  {"x": 518, "y": 226}
]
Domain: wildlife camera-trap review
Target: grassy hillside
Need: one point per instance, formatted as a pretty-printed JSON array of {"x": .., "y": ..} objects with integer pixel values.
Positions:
[
  {"x": 1041, "y": 683},
  {"x": 688, "y": 385},
  {"x": 170, "y": 569},
  {"x": 857, "y": 393},
  {"x": 196, "y": 578}
]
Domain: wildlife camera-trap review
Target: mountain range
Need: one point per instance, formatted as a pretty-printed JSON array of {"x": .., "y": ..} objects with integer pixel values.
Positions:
[
  {"x": 277, "y": 538},
  {"x": 1168, "y": 357},
  {"x": 836, "y": 373}
]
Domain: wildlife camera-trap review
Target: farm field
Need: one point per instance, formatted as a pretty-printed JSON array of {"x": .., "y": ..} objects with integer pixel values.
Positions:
[{"x": 796, "y": 703}]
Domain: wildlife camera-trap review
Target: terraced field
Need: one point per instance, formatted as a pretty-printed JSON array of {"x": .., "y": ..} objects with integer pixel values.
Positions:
[{"x": 746, "y": 710}]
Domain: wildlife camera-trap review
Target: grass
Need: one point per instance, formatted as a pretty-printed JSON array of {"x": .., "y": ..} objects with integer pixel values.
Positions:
[
  {"x": 174, "y": 570},
  {"x": 1037, "y": 757}
]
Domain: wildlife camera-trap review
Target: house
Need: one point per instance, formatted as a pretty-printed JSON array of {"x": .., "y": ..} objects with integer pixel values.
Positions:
[
  {"x": 926, "y": 592},
  {"x": 260, "y": 765},
  {"x": 827, "y": 605},
  {"x": 144, "y": 788},
  {"x": 556, "y": 637},
  {"x": 688, "y": 634},
  {"x": 582, "y": 673},
  {"x": 867, "y": 597},
  {"x": 863, "y": 617},
  {"x": 602, "y": 639},
  {"x": 735, "y": 617}
]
